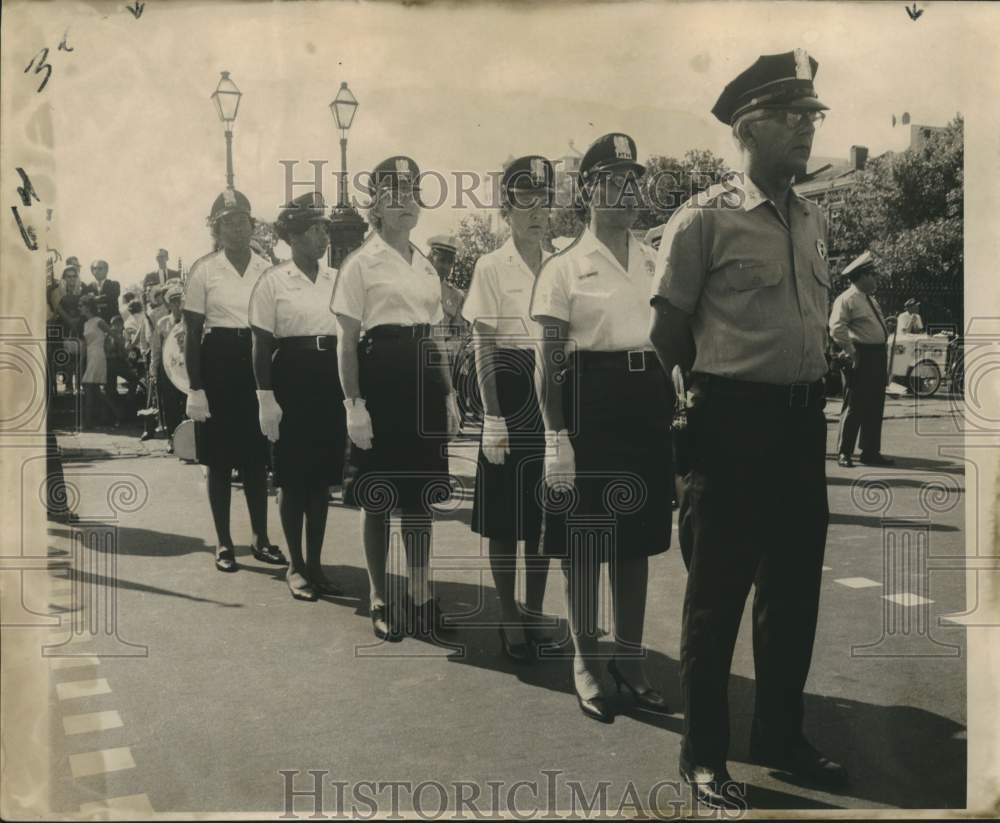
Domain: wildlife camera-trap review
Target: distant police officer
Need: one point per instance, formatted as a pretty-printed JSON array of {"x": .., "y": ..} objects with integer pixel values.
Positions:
[
  {"x": 507, "y": 505},
  {"x": 909, "y": 320},
  {"x": 743, "y": 269},
  {"x": 607, "y": 428},
  {"x": 298, "y": 388},
  {"x": 218, "y": 355},
  {"x": 400, "y": 406},
  {"x": 859, "y": 328},
  {"x": 443, "y": 248}
]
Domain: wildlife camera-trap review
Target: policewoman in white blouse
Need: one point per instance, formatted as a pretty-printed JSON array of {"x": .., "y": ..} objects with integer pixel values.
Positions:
[
  {"x": 607, "y": 413},
  {"x": 222, "y": 400},
  {"x": 298, "y": 388},
  {"x": 400, "y": 406},
  {"x": 507, "y": 503}
]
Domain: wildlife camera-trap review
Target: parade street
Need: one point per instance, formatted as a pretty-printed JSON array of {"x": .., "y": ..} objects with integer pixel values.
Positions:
[{"x": 233, "y": 681}]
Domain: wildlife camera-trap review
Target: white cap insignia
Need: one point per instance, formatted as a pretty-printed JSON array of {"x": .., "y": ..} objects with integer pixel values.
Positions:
[
  {"x": 803, "y": 71},
  {"x": 622, "y": 149}
]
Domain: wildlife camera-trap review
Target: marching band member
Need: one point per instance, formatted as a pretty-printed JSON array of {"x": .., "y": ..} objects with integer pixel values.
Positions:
[
  {"x": 398, "y": 392},
  {"x": 171, "y": 398},
  {"x": 507, "y": 507},
  {"x": 301, "y": 402},
  {"x": 607, "y": 434},
  {"x": 218, "y": 356}
]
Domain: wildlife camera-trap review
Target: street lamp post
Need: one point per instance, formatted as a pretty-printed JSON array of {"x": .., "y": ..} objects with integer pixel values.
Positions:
[
  {"x": 227, "y": 103},
  {"x": 347, "y": 228}
]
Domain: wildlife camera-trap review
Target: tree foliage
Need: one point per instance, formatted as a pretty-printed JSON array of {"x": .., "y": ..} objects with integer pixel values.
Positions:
[
  {"x": 263, "y": 240},
  {"x": 907, "y": 209},
  {"x": 477, "y": 234}
]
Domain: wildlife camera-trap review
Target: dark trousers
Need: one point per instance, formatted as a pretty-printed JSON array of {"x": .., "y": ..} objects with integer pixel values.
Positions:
[
  {"x": 864, "y": 401},
  {"x": 753, "y": 511}
]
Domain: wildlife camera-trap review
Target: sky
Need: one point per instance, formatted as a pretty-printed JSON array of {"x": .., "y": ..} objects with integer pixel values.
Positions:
[{"x": 140, "y": 151}]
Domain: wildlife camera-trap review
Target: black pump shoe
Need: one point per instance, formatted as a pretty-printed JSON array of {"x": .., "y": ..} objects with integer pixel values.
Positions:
[
  {"x": 648, "y": 699},
  {"x": 516, "y": 652}
]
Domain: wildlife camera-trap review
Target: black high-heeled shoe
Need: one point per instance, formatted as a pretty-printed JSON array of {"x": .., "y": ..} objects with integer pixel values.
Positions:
[
  {"x": 596, "y": 708},
  {"x": 519, "y": 653},
  {"x": 648, "y": 699}
]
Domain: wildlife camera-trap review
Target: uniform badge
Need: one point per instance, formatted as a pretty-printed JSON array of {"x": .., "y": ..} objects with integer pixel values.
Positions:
[
  {"x": 402, "y": 167},
  {"x": 803, "y": 71},
  {"x": 229, "y": 197},
  {"x": 650, "y": 267},
  {"x": 622, "y": 149},
  {"x": 537, "y": 170},
  {"x": 821, "y": 248}
]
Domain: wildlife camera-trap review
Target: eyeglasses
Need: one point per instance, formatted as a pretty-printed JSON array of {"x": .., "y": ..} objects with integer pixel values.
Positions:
[{"x": 793, "y": 118}]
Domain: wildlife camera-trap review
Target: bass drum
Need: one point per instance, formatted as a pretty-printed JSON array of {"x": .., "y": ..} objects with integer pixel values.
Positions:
[
  {"x": 184, "y": 441},
  {"x": 173, "y": 358}
]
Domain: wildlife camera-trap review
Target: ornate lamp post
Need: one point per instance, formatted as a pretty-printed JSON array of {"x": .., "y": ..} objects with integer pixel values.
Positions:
[
  {"x": 227, "y": 103},
  {"x": 347, "y": 229}
]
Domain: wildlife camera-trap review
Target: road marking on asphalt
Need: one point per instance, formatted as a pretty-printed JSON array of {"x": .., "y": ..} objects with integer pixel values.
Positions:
[
  {"x": 73, "y": 662},
  {"x": 856, "y": 582},
  {"x": 102, "y": 762},
  {"x": 906, "y": 599},
  {"x": 91, "y": 722},
  {"x": 82, "y": 688},
  {"x": 128, "y": 807}
]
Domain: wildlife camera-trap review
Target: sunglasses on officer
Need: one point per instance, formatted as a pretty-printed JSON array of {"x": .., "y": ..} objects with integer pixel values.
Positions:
[{"x": 794, "y": 118}]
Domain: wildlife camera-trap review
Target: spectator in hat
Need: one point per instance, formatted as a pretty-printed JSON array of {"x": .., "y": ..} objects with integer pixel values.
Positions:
[
  {"x": 506, "y": 507},
  {"x": 606, "y": 407},
  {"x": 222, "y": 400},
  {"x": 909, "y": 320},
  {"x": 400, "y": 408},
  {"x": 105, "y": 290},
  {"x": 740, "y": 301},
  {"x": 859, "y": 328},
  {"x": 301, "y": 401}
]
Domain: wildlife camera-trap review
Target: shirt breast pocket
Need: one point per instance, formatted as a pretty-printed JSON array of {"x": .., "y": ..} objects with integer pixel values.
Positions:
[{"x": 751, "y": 291}]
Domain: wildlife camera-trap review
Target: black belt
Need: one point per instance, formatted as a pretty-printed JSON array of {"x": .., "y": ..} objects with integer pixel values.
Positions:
[
  {"x": 228, "y": 331},
  {"x": 390, "y": 332},
  {"x": 317, "y": 342},
  {"x": 627, "y": 361},
  {"x": 869, "y": 346},
  {"x": 793, "y": 395}
]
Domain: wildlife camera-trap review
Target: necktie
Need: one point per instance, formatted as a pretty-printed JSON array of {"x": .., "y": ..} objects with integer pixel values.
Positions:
[{"x": 878, "y": 315}]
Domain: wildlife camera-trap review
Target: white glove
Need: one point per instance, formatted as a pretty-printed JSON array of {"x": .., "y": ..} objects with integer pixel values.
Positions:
[
  {"x": 197, "y": 405},
  {"x": 269, "y": 414},
  {"x": 454, "y": 415},
  {"x": 560, "y": 461},
  {"x": 496, "y": 441},
  {"x": 359, "y": 423}
]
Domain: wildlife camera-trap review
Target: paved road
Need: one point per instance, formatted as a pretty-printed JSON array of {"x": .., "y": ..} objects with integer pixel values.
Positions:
[{"x": 240, "y": 681}]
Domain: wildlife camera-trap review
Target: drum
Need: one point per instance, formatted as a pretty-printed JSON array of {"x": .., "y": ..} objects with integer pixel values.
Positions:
[
  {"x": 173, "y": 358},
  {"x": 184, "y": 441}
]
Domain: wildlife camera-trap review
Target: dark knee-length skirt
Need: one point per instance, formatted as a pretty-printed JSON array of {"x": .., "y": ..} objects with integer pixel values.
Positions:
[
  {"x": 312, "y": 436},
  {"x": 618, "y": 413},
  {"x": 400, "y": 377},
  {"x": 508, "y": 497},
  {"x": 231, "y": 436}
]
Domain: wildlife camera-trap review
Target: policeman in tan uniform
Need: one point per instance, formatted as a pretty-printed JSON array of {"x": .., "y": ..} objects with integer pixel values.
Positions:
[{"x": 740, "y": 298}]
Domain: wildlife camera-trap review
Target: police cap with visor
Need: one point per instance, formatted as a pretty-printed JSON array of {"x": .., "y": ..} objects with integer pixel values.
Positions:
[
  {"x": 301, "y": 213},
  {"x": 531, "y": 174},
  {"x": 774, "y": 81},
  {"x": 395, "y": 173},
  {"x": 229, "y": 202}
]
